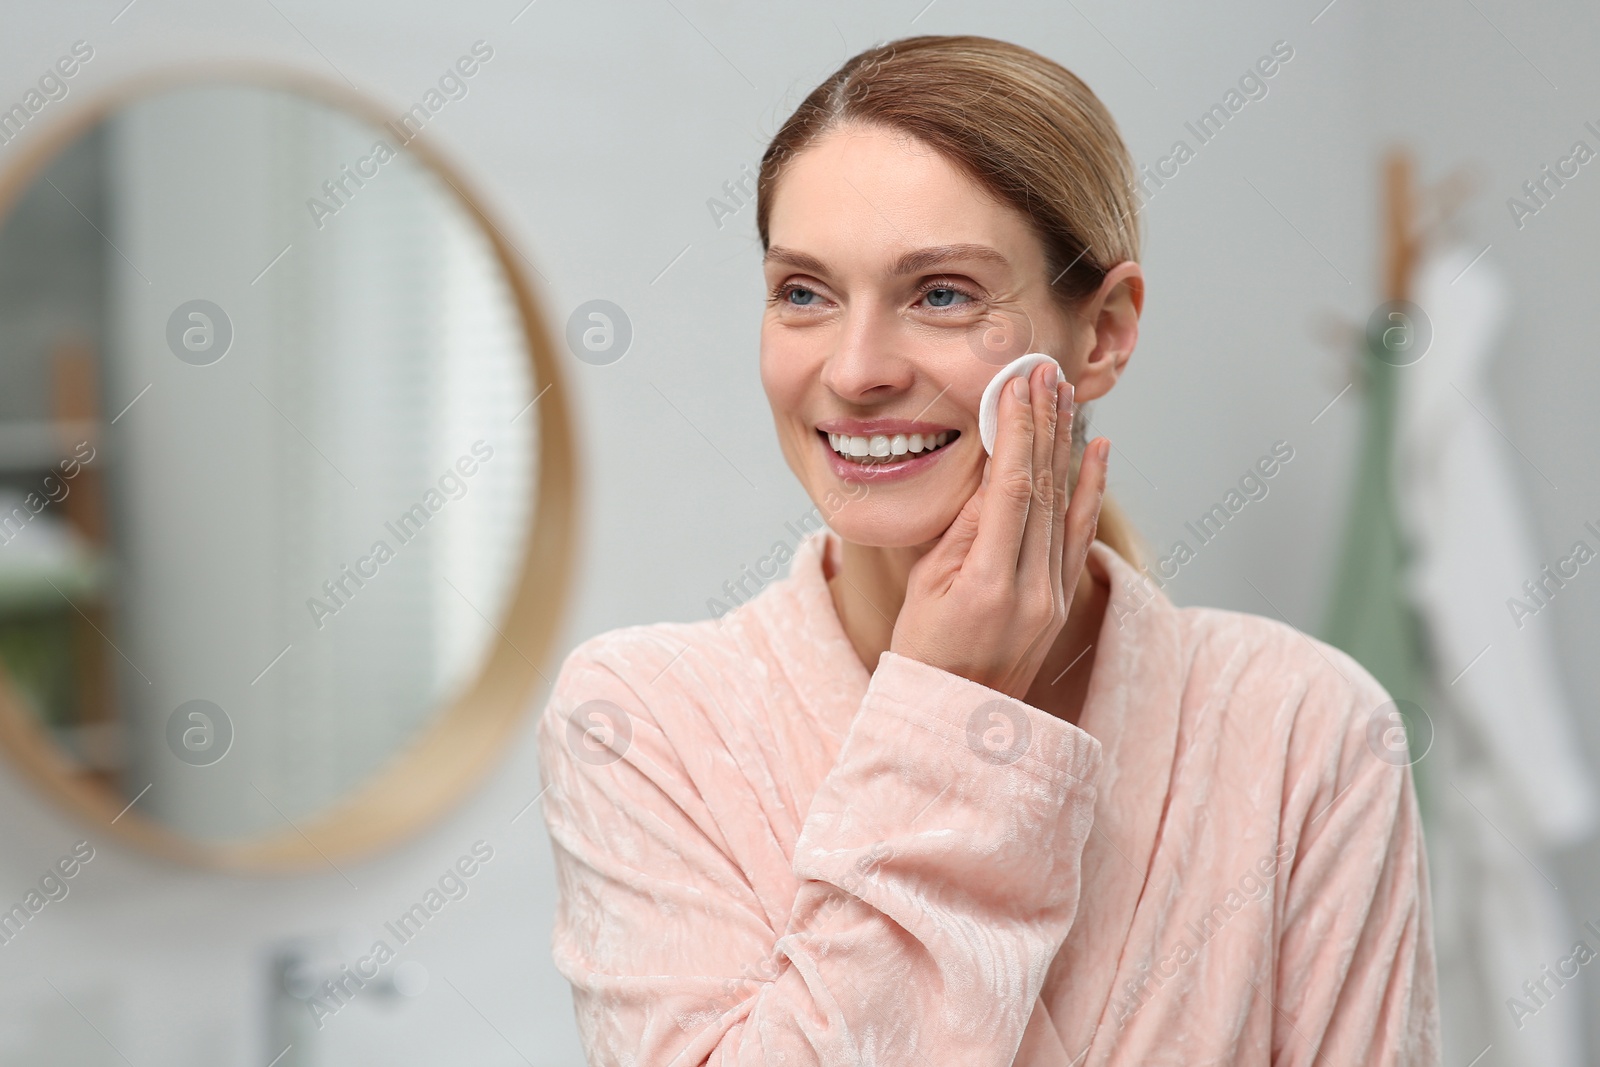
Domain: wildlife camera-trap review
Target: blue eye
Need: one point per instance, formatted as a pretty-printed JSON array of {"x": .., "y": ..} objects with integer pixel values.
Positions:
[
  {"x": 796, "y": 291},
  {"x": 943, "y": 297}
]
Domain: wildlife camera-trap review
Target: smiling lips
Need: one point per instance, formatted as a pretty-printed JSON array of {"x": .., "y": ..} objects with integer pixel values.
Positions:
[
  {"x": 882, "y": 447},
  {"x": 886, "y": 448}
]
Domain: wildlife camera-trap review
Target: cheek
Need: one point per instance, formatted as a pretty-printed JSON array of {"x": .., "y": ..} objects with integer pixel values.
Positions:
[
  {"x": 786, "y": 397},
  {"x": 967, "y": 391},
  {"x": 966, "y": 381},
  {"x": 786, "y": 373}
]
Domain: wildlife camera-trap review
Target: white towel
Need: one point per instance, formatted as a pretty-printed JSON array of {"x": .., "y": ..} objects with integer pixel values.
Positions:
[
  {"x": 1461, "y": 510},
  {"x": 1509, "y": 783}
]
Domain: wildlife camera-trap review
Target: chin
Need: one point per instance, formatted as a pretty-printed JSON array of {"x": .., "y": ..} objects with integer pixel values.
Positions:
[
  {"x": 883, "y": 525},
  {"x": 893, "y": 515}
]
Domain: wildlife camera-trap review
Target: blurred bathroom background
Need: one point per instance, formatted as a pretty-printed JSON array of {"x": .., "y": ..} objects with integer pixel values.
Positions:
[{"x": 613, "y": 145}]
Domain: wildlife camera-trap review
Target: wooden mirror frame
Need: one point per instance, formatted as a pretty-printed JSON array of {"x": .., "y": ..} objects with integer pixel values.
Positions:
[{"x": 461, "y": 744}]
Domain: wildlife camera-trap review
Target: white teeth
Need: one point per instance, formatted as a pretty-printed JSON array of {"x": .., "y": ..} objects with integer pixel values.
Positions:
[{"x": 887, "y": 446}]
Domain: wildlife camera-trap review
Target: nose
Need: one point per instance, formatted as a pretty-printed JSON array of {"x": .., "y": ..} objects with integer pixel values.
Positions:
[{"x": 869, "y": 362}]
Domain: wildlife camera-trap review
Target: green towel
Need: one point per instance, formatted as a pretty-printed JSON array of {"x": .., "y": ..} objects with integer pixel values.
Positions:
[{"x": 1369, "y": 614}]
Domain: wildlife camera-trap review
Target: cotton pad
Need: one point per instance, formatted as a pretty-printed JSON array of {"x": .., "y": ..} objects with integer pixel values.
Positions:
[{"x": 1020, "y": 367}]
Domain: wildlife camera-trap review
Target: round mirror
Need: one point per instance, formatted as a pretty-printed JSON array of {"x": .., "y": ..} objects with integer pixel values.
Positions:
[{"x": 285, "y": 472}]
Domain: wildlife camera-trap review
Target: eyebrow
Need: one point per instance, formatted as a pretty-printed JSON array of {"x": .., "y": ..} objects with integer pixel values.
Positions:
[{"x": 911, "y": 263}]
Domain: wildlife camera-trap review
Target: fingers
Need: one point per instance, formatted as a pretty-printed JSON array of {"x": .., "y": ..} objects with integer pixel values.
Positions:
[
  {"x": 1033, "y": 566},
  {"x": 1009, "y": 491},
  {"x": 1062, "y": 466},
  {"x": 1083, "y": 513},
  {"x": 957, "y": 538}
]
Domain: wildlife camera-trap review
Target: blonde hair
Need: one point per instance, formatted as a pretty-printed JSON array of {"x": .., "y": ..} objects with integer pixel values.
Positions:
[{"x": 1024, "y": 128}]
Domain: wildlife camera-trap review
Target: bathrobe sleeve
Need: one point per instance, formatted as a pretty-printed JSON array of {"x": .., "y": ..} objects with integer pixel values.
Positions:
[
  {"x": 934, "y": 878},
  {"x": 1356, "y": 979}
]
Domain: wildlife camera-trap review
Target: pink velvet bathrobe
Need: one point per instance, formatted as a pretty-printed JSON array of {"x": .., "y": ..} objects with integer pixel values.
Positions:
[{"x": 767, "y": 855}]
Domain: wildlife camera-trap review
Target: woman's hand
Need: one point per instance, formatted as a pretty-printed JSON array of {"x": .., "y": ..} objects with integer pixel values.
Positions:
[{"x": 988, "y": 600}]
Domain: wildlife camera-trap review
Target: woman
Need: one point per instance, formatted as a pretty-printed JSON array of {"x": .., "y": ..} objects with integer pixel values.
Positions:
[{"x": 964, "y": 788}]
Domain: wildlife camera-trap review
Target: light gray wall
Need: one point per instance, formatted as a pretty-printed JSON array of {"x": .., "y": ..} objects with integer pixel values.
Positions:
[
  {"x": 1506, "y": 89},
  {"x": 598, "y": 132}
]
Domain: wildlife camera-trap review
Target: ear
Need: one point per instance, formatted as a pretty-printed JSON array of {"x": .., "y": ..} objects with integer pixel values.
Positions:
[{"x": 1108, "y": 330}]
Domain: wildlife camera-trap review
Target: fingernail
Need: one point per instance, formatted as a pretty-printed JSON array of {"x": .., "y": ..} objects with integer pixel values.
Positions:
[
  {"x": 1050, "y": 376},
  {"x": 1063, "y": 398},
  {"x": 1019, "y": 388}
]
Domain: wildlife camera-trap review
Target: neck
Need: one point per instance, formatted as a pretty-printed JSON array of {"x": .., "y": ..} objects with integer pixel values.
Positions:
[{"x": 868, "y": 586}]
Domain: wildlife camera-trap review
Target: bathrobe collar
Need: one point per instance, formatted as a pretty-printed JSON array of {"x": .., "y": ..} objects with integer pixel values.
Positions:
[{"x": 1131, "y": 708}]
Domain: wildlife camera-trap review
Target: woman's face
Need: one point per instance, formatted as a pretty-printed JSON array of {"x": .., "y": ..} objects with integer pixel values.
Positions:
[{"x": 897, "y": 287}]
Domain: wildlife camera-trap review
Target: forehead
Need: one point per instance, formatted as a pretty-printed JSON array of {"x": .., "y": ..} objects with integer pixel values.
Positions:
[{"x": 865, "y": 196}]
